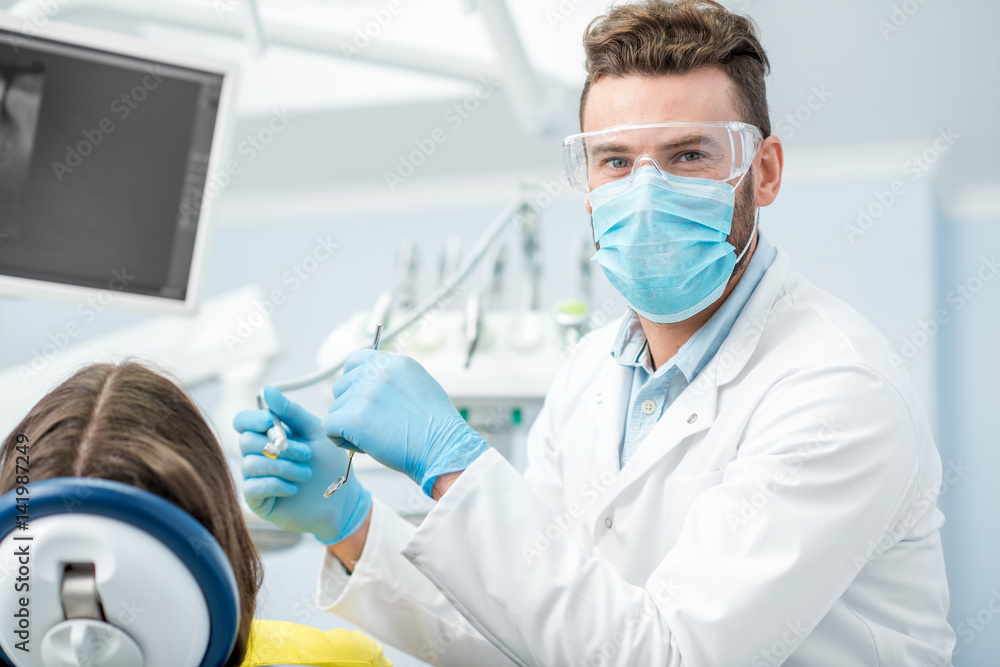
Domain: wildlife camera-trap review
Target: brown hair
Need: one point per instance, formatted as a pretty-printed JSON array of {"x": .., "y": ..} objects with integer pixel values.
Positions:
[
  {"x": 657, "y": 37},
  {"x": 127, "y": 423}
]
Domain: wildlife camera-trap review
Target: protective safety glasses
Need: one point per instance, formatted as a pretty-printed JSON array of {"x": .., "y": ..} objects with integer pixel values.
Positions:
[{"x": 714, "y": 151}]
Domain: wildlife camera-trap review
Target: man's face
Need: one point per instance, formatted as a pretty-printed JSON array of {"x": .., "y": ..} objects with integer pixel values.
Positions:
[{"x": 703, "y": 95}]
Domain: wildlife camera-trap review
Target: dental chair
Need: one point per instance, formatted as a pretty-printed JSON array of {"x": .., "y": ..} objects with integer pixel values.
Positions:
[{"x": 95, "y": 573}]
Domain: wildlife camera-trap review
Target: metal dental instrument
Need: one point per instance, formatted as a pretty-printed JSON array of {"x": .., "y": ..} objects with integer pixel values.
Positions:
[
  {"x": 401, "y": 295},
  {"x": 451, "y": 255},
  {"x": 486, "y": 299},
  {"x": 529, "y": 224},
  {"x": 473, "y": 324},
  {"x": 277, "y": 442},
  {"x": 404, "y": 278},
  {"x": 350, "y": 454}
]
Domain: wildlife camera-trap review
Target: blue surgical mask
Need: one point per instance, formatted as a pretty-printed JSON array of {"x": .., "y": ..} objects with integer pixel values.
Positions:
[{"x": 663, "y": 241}]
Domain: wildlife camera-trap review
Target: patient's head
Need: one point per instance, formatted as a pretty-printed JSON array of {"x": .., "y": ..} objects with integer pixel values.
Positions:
[{"x": 127, "y": 423}]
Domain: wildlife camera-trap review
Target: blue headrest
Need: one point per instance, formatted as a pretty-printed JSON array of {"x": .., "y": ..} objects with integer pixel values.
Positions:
[{"x": 190, "y": 541}]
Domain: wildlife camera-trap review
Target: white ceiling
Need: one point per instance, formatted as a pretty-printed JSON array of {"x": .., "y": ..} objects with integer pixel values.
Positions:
[{"x": 355, "y": 118}]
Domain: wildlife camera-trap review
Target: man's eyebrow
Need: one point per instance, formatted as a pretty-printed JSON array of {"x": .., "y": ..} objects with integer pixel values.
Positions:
[
  {"x": 605, "y": 148},
  {"x": 700, "y": 139}
]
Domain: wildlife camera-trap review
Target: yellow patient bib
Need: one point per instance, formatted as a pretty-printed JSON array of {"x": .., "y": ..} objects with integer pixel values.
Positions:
[{"x": 280, "y": 642}]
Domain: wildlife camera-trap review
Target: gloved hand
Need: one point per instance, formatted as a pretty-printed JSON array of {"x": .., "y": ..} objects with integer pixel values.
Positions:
[
  {"x": 288, "y": 491},
  {"x": 389, "y": 407}
]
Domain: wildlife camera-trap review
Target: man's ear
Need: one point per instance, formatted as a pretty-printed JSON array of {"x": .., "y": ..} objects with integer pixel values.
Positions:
[
  {"x": 586, "y": 204},
  {"x": 768, "y": 166}
]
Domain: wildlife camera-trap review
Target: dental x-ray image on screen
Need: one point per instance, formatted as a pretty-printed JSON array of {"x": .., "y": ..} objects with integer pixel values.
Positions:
[{"x": 20, "y": 100}]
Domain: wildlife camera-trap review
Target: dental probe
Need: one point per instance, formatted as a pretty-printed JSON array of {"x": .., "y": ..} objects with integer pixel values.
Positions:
[{"x": 350, "y": 454}]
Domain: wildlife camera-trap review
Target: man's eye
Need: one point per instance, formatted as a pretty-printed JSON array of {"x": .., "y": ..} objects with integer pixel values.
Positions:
[
  {"x": 690, "y": 156},
  {"x": 617, "y": 163}
]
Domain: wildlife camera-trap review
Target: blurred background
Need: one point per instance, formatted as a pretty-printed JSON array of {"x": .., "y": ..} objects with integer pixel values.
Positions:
[{"x": 409, "y": 124}]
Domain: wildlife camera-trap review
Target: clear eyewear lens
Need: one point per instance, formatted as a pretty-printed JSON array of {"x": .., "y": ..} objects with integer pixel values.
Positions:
[{"x": 717, "y": 152}]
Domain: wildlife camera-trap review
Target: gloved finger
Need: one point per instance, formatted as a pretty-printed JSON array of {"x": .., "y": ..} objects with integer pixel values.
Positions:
[
  {"x": 357, "y": 358},
  {"x": 261, "y": 506},
  {"x": 253, "y": 420},
  {"x": 346, "y": 380},
  {"x": 342, "y": 425},
  {"x": 298, "y": 419},
  {"x": 259, "y": 489},
  {"x": 298, "y": 452},
  {"x": 255, "y": 465},
  {"x": 343, "y": 398},
  {"x": 370, "y": 376},
  {"x": 253, "y": 443}
]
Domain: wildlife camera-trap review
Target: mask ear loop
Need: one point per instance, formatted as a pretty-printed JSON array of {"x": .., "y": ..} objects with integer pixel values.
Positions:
[
  {"x": 756, "y": 219},
  {"x": 753, "y": 233}
]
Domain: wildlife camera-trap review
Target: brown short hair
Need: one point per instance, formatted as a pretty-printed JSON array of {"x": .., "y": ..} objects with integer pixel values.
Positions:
[
  {"x": 657, "y": 37},
  {"x": 127, "y": 423}
]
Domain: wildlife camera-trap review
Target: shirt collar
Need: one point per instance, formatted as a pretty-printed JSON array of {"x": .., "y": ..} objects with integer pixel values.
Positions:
[{"x": 630, "y": 349}]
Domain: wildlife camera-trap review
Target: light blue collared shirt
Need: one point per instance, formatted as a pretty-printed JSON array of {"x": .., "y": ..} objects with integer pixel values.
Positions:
[{"x": 654, "y": 391}]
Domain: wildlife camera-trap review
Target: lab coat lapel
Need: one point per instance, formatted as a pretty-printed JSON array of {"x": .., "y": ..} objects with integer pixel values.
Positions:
[
  {"x": 606, "y": 400},
  {"x": 692, "y": 412},
  {"x": 695, "y": 409}
]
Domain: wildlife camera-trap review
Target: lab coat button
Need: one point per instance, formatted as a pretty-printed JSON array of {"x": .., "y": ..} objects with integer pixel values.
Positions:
[
  {"x": 648, "y": 406},
  {"x": 693, "y": 418},
  {"x": 598, "y": 397},
  {"x": 607, "y": 522}
]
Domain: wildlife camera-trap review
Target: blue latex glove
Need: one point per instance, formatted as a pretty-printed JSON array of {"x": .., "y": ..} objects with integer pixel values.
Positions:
[
  {"x": 390, "y": 408},
  {"x": 288, "y": 491}
]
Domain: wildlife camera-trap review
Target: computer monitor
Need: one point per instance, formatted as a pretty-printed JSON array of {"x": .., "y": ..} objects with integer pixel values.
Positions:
[{"x": 108, "y": 148}]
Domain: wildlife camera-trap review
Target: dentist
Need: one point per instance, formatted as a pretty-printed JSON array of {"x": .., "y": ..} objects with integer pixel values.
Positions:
[{"x": 732, "y": 474}]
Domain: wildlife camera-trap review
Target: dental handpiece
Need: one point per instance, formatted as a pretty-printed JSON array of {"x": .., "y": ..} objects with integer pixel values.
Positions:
[
  {"x": 277, "y": 442},
  {"x": 350, "y": 453}
]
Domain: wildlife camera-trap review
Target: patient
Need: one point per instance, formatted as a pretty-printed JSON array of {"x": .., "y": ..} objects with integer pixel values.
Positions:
[{"x": 124, "y": 422}]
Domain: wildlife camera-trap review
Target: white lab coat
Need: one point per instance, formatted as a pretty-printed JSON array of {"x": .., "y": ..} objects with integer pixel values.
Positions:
[{"x": 782, "y": 511}]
